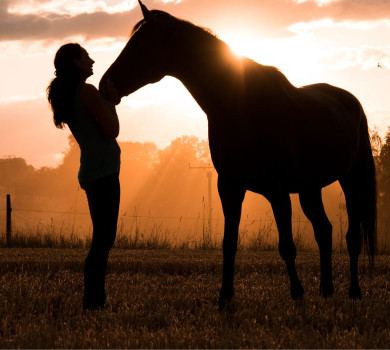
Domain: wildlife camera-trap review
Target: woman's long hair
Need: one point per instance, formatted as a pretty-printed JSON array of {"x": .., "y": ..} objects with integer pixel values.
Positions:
[{"x": 61, "y": 89}]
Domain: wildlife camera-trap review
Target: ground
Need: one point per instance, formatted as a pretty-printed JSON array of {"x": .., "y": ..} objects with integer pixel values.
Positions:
[{"x": 168, "y": 299}]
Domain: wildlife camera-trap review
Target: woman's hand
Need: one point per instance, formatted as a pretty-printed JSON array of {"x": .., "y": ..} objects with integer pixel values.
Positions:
[{"x": 110, "y": 93}]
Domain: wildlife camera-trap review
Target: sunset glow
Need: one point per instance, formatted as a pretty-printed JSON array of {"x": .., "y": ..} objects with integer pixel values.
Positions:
[
  {"x": 275, "y": 161},
  {"x": 275, "y": 52},
  {"x": 308, "y": 40}
]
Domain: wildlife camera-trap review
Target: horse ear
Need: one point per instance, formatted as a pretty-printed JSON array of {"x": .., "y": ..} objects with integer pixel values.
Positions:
[{"x": 145, "y": 11}]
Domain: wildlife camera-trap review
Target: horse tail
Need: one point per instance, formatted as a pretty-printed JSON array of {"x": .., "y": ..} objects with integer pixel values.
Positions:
[{"x": 368, "y": 192}]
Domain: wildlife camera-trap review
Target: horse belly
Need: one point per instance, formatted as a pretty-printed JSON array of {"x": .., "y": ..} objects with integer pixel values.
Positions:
[
  {"x": 328, "y": 149},
  {"x": 261, "y": 164}
]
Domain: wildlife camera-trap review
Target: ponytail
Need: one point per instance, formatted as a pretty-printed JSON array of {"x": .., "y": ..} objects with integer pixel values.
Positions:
[{"x": 62, "y": 88}]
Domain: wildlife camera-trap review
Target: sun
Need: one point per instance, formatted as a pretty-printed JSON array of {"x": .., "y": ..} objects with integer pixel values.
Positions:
[
  {"x": 292, "y": 56},
  {"x": 242, "y": 45}
]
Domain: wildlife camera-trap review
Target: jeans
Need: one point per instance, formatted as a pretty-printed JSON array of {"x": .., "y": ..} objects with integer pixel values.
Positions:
[{"x": 103, "y": 201}]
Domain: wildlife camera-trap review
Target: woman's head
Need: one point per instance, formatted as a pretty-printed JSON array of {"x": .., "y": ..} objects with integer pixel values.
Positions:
[
  {"x": 71, "y": 60},
  {"x": 72, "y": 67}
]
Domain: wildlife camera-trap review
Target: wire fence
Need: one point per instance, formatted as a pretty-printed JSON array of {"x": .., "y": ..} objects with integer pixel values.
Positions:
[
  {"x": 154, "y": 217},
  {"x": 136, "y": 230}
]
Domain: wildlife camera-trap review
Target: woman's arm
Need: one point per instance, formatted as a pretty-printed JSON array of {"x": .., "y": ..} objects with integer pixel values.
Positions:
[{"x": 106, "y": 117}]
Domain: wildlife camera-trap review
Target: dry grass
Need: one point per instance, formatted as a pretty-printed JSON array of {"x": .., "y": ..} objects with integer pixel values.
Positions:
[
  {"x": 148, "y": 233},
  {"x": 168, "y": 298}
]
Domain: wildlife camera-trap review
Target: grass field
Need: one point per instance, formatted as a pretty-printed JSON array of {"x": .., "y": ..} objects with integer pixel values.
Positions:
[{"x": 168, "y": 299}]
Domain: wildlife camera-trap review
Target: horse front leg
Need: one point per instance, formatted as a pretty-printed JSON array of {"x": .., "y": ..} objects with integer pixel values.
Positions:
[
  {"x": 231, "y": 195},
  {"x": 281, "y": 206}
]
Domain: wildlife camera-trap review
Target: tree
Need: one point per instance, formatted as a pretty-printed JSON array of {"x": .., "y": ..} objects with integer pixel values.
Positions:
[{"x": 383, "y": 177}]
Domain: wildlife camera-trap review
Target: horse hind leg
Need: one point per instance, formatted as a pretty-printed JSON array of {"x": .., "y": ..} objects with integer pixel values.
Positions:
[
  {"x": 312, "y": 206},
  {"x": 281, "y": 207},
  {"x": 359, "y": 188},
  {"x": 353, "y": 236}
]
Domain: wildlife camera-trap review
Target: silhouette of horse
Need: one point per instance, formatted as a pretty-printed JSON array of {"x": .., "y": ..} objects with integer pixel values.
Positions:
[{"x": 265, "y": 136}]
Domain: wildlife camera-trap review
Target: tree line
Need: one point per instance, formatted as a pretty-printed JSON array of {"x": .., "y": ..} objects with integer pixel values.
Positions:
[{"x": 159, "y": 182}]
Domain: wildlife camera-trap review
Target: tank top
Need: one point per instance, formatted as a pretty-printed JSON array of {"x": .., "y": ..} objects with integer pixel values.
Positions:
[{"x": 100, "y": 155}]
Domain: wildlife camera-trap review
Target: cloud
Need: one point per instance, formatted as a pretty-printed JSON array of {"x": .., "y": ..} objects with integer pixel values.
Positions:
[
  {"x": 19, "y": 98},
  {"x": 69, "y": 7},
  {"x": 360, "y": 9},
  {"x": 318, "y": 2},
  {"x": 50, "y": 25},
  {"x": 329, "y": 23},
  {"x": 55, "y": 19},
  {"x": 366, "y": 57}
]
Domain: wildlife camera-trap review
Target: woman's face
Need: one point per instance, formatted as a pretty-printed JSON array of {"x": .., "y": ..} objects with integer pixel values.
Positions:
[{"x": 85, "y": 64}]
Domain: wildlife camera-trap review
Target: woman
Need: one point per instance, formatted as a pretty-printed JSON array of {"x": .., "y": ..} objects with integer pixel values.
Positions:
[{"x": 94, "y": 123}]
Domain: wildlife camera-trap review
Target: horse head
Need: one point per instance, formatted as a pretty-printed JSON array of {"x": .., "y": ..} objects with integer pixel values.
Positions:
[{"x": 146, "y": 58}]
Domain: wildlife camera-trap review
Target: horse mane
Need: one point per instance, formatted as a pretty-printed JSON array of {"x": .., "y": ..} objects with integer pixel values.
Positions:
[
  {"x": 180, "y": 21},
  {"x": 204, "y": 35}
]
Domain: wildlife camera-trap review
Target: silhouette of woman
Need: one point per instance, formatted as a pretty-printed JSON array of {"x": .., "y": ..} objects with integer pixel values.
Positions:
[{"x": 92, "y": 119}]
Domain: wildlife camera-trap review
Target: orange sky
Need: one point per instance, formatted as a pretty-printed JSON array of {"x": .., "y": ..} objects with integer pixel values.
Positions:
[{"x": 334, "y": 41}]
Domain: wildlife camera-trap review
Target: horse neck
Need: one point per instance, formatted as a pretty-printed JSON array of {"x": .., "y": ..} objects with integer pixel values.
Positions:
[
  {"x": 224, "y": 84},
  {"x": 209, "y": 75}
]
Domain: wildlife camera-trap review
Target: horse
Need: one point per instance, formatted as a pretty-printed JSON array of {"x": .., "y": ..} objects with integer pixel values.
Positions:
[{"x": 266, "y": 136}]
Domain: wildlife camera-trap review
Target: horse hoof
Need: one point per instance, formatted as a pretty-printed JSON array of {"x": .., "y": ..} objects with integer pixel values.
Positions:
[
  {"x": 297, "y": 292},
  {"x": 355, "y": 293},
  {"x": 327, "y": 291},
  {"x": 224, "y": 304},
  {"x": 225, "y": 298}
]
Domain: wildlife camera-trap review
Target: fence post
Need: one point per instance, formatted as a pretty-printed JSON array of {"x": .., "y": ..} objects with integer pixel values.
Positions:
[{"x": 8, "y": 227}]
